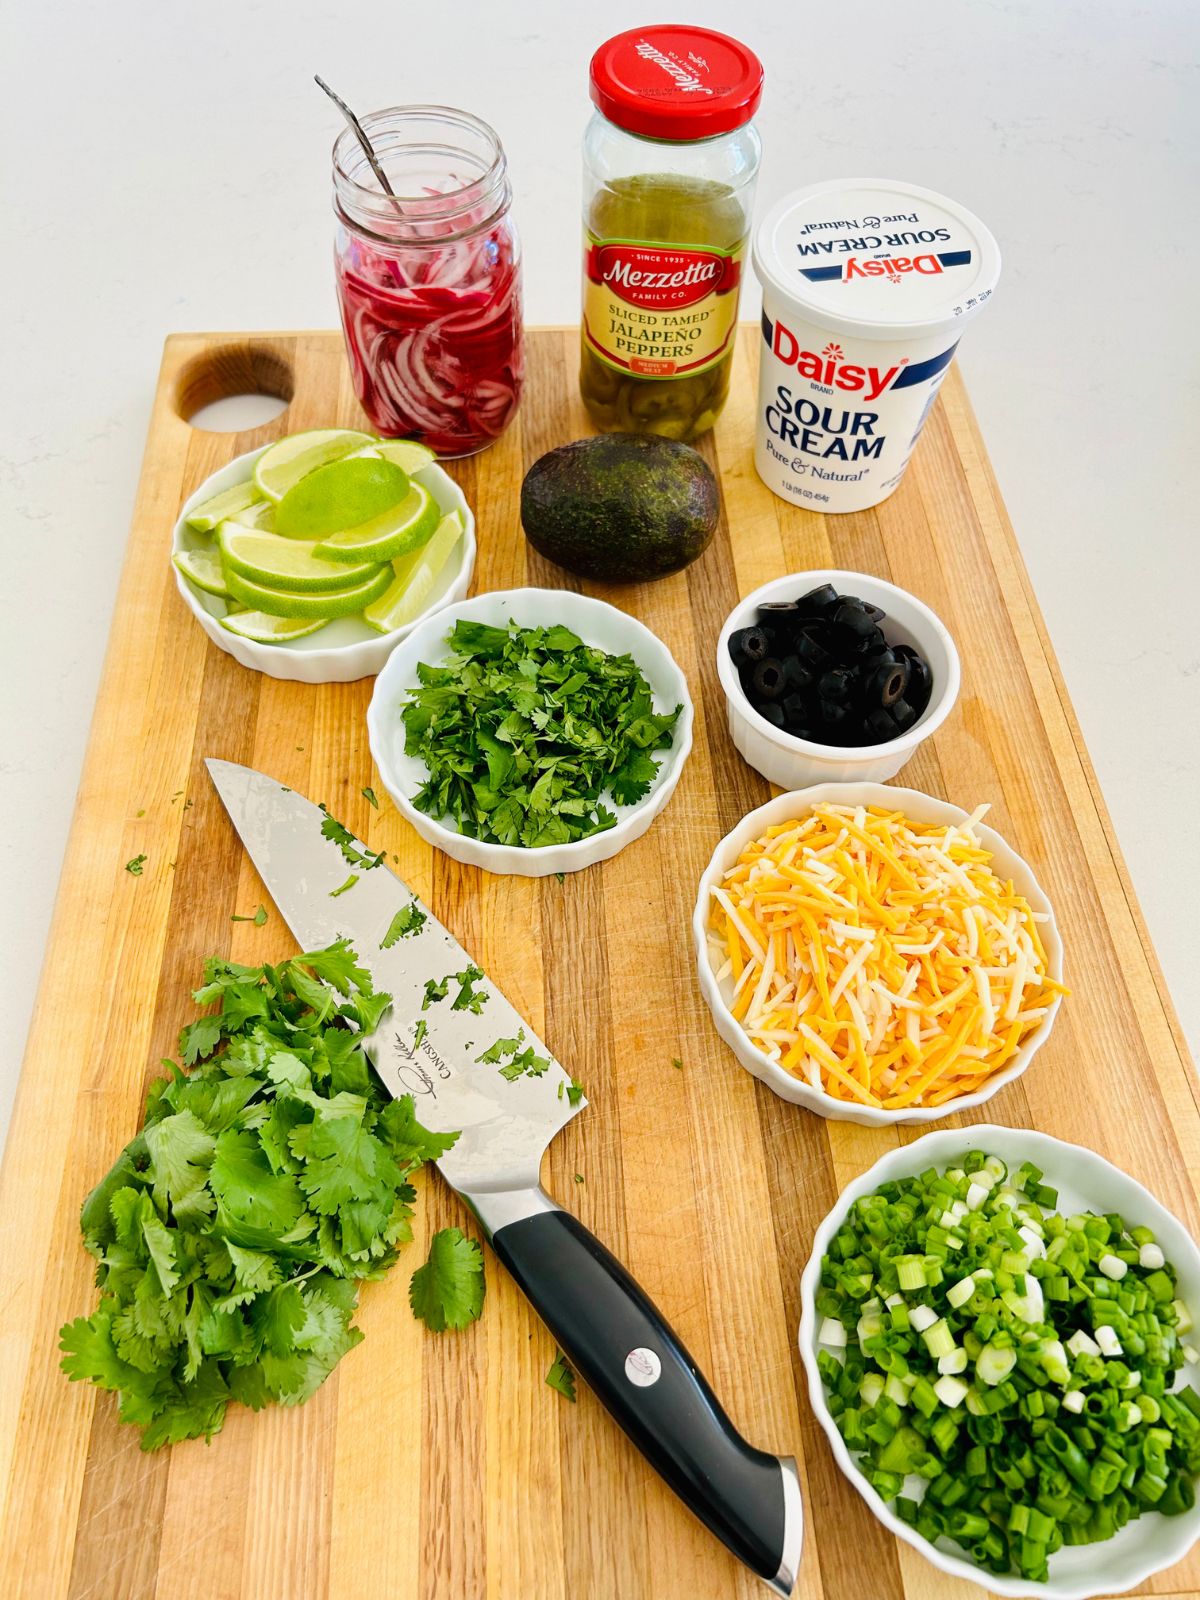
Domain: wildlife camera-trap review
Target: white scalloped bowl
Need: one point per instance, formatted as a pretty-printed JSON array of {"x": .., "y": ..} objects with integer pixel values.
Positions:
[
  {"x": 920, "y": 807},
  {"x": 1086, "y": 1182},
  {"x": 596, "y": 623},
  {"x": 346, "y": 648}
]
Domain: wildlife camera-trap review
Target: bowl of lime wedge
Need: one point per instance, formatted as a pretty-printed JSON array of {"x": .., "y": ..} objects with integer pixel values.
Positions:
[{"x": 312, "y": 558}]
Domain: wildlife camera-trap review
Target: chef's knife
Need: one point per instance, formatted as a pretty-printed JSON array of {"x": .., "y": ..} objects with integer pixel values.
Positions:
[{"x": 609, "y": 1329}]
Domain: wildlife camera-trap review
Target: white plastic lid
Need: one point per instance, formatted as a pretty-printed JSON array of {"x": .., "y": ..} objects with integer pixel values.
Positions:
[{"x": 876, "y": 257}]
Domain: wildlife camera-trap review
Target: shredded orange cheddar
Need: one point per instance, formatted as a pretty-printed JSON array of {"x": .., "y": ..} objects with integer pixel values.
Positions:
[{"x": 878, "y": 958}]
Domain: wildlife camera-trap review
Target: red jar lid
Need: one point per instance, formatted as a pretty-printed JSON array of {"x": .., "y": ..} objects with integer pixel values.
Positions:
[{"x": 676, "y": 82}]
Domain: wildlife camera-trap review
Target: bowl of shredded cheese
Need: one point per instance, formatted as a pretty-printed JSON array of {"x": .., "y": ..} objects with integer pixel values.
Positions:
[{"x": 876, "y": 954}]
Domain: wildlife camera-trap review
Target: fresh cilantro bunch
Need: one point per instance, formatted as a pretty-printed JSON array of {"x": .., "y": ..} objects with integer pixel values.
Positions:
[
  {"x": 522, "y": 731},
  {"x": 231, "y": 1230}
]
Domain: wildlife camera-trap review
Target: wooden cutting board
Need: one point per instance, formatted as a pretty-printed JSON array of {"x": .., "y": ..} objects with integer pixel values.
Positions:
[{"x": 444, "y": 1466}]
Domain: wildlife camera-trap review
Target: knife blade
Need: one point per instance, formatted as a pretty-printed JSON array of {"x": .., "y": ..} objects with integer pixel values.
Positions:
[{"x": 445, "y": 1015}]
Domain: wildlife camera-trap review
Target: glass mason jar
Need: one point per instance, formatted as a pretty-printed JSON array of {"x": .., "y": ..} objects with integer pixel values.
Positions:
[
  {"x": 669, "y": 162},
  {"x": 429, "y": 279}
]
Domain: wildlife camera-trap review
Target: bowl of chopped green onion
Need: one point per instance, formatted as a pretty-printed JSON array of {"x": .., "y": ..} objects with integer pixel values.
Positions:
[
  {"x": 530, "y": 731},
  {"x": 997, "y": 1332}
]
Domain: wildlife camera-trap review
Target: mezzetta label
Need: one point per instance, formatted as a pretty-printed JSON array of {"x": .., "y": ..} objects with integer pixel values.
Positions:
[{"x": 659, "y": 311}]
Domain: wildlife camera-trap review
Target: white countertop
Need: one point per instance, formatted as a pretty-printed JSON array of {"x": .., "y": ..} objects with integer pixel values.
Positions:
[{"x": 168, "y": 170}]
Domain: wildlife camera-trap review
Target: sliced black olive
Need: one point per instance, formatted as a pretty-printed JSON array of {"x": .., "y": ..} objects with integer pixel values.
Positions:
[
  {"x": 778, "y": 611},
  {"x": 798, "y": 675},
  {"x": 809, "y": 648},
  {"x": 903, "y": 714},
  {"x": 852, "y": 615},
  {"x": 748, "y": 645},
  {"x": 887, "y": 683},
  {"x": 880, "y": 725},
  {"x": 920, "y": 682},
  {"x": 771, "y": 711},
  {"x": 818, "y": 601},
  {"x": 877, "y": 613},
  {"x": 878, "y": 656},
  {"x": 769, "y": 679},
  {"x": 836, "y": 684},
  {"x": 796, "y": 708},
  {"x": 832, "y": 713}
]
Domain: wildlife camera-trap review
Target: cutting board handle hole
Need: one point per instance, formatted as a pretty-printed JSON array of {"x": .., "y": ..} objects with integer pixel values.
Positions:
[{"x": 234, "y": 388}]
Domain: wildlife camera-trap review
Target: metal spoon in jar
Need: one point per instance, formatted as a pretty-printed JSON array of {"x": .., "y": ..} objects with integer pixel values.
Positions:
[{"x": 367, "y": 150}]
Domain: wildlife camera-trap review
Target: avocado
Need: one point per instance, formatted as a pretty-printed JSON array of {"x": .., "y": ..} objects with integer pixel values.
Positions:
[{"x": 622, "y": 507}]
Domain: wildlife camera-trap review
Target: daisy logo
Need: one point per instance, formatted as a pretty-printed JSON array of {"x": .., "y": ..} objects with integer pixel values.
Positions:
[{"x": 833, "y": 352}]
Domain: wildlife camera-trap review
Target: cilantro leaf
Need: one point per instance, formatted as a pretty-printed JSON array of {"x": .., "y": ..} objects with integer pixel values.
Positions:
[
  {"x": 258, "y": 917},
  {"x": 468, "y": 997},
  {"x": 370, "y": 797},
  {"x": 561, "y": 1376},
  {"x": 408, "y": 920},
  {"x": 135, "y": 866},
  {"x": 435, "y": 989},
  {"x": 447, "y": 1292}
]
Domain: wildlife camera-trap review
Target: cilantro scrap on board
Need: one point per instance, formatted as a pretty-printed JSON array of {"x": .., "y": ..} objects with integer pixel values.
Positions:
[
  {"x": 258, "y": 918},
  {"x": 447, "y": 1292},
  {"x": 562, "y": 1377},
  {"x": 523, "y": 730},
  {"x": 233, "y": 1229},
  {"x": 134, "y": 867}
]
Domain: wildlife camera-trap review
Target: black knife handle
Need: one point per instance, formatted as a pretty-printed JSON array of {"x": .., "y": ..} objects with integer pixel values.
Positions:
[{"x": 621, "y": 1345}]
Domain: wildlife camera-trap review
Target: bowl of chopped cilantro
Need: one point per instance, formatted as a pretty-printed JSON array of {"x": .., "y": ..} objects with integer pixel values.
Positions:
[
  {"x": 531, "y": 731},
  {"x": 997, "y": 1332}
]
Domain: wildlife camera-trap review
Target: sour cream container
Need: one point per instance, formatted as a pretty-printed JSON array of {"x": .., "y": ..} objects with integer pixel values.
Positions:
[{"x": 867, "y": 285}]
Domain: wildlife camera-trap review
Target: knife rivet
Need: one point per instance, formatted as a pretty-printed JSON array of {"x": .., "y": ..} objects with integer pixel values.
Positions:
[{"x": 642, "y": 1367}]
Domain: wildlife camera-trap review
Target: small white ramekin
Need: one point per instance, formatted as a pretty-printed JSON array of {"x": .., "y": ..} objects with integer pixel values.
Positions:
[
  {"x": 346, "y": 648},
  {"x": 795, "y": 763},
  {"x": 596, "y": 623},
  {"x": 1085, "y": 1182},
  {"x": 921, "y": 808}
]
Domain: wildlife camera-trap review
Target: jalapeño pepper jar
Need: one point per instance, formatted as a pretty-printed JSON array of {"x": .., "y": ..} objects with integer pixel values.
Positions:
[{"x": 669, "y": 159}]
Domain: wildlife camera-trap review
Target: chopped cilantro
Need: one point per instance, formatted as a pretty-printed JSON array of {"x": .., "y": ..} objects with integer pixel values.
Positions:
[
  {"x": 419, "y": 1032},
  {"x": 561, "y": 876},
  {"x": 258, "y": 917},
  {"x": 353, "y": 852},
  {"x": 468, "y": 997},
  {"x": 409, "y": 919},
  {"x": 579, "y": 1177},
  {"x": 562, "y": 1377},
  {"x": 142, "y": 812},
  {"x": 520, "y": 1063},
  {"x": 447, "y": 1292},
  {"x": 370, "y": 797},
  {"x": 341, "y": 889},
  {"x": 135, "y": 866},
  {"x": 231, "y": 1232},
  {"x": 677, "y": 1063},
  {"x": 523, "y": 730}
]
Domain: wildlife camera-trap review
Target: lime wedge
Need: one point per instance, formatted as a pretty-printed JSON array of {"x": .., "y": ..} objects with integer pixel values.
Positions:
[
  {"x": 285, "y": 462},
  {"x": 229, "y": 503},
  {"x": 260, "y": 515},
  {"x": 404, "y": 453},
  {"x": 257, "y": 625},
  {"x": 282, "y": 603},
  {"x": 202, "y": 568},
  {"x": 285, "y": 563},
  {"x": 405, "y": 527},
  {"x": 339, "y": 495},
  {"x": 415, "y": 575}
]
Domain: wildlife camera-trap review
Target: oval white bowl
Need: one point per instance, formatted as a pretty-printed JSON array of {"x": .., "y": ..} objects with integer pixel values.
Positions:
[
  {"x": 921, "y": 808},
  {"x": 795, "y": 763},
  {"x": 596, "y": 623},
  {"x": 1086, "y": 1182},
  {"x": 346, "y": 648}
]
